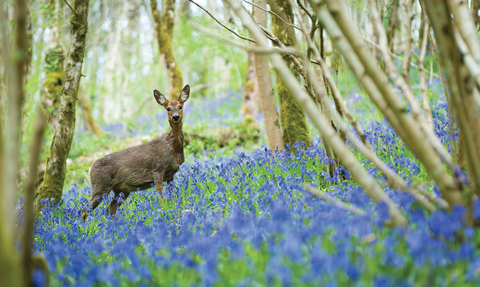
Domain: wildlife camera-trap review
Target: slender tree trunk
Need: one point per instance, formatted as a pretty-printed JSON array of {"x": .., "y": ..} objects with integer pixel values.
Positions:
[
  {"x": 264, "y": 79},
  {"x": 62, "y": 139},
  {"x": 184, "y": 9},
  {"x": 250, "y": 95},
  {"x": 16, "y": 68},
  {"x": 111, "y": 98},
  {"x": 90, "y": 122},
  {"x": 408, "y": 44},
  {"x": 164, "y": 35},
  {"x": 10, "y": 268},
  {"x": 392, "y": 24},
  {"x": 292, "y": 116},
  {"x": 475, "y": 8},
  {"x": 423, "y": 84},
  {"x": 28, "y": 210}
]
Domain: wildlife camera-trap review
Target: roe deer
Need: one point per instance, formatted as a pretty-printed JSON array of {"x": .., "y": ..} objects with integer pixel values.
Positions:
[{"x": 140, "y": 166}]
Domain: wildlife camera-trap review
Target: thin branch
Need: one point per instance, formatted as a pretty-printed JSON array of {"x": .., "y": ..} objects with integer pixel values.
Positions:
[
  {"x": 70, "y": 7},
  {"x": 273, "y": 13},
  {"x": 310, "y": 15},
  {"x": 221, "y": 24},
  {"x": 388, "y": 7},
  {"x": 423, "y": 85},
  {"x": 279, "y": 43},
  {"x": 333, "y": 200},
  {"x": 398, "y": 57},
  {"x": 335, "y": 92},
  {"x": 371, "y": 187},
  {"x": 256, "y": 49}
]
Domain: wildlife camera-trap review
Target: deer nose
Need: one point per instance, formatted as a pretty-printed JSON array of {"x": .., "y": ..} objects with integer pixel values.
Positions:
[{"x": 176, "y": 118}]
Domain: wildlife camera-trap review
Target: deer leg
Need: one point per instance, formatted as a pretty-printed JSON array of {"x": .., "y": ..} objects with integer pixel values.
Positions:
[
  {"x": 95, "y": 199},
  {"x": 158, "y": 180},
  {"x": 117, "y": 201}
]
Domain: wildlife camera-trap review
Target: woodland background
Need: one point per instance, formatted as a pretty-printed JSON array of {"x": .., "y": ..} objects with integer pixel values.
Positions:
[{"x": 326, "y": 141}]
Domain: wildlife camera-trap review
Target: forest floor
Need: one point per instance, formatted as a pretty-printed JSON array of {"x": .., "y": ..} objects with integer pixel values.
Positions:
[{"x": 239, "y": 216}]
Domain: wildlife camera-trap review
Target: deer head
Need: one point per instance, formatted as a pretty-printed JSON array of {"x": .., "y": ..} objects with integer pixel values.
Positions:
[{"x": 174, "y": 108}]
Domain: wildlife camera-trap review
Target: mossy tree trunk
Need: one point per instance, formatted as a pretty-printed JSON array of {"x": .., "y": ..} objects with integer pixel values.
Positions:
[
  {"x": 164, "y": 34},
  {"x": 53, "y": 83},
  {"x": 292, "y": 116},
  {"x": 62, "y": 139}
]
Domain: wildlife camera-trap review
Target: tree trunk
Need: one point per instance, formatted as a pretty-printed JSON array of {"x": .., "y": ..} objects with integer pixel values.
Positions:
[
  {"x": 62, "y": 139},
  {"x": 164, "y": 35},
  {"x": 90, "y": 122},
  {"x": 392, "y": 25},
  {"x": 250, "y": 95},
  {"x": 184, "y": 9},
  {"x": 475, "y": 8},
  {"x": 264, "y": 80},
  {"x": 53, "y": 83},
  {"x": 408, "y": 44},
  {"x": 111, "y": 99},
  {"x": 28, "y": 198},
  {"x": 10, "y": 269},
  {"x": 54, "y": 68},
  {"x": 292, "y": 116}
]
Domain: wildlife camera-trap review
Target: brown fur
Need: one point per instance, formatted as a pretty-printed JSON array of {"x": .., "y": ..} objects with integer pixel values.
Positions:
[{"x": 141, "y": 166}]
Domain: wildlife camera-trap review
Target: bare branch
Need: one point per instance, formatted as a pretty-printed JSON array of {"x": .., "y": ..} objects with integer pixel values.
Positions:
[
  {"x": 273, "y": 13},
  {"x": 398, "y": 57},
  {"x": 256, "y": 49},
  {"x": 221, "y": 24},
  {"x": 70, "y": 7},
  {"x": 371, "y": 187}
]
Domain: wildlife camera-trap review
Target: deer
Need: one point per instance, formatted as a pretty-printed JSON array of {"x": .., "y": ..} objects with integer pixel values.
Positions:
[{"x": 138, "y": 167}]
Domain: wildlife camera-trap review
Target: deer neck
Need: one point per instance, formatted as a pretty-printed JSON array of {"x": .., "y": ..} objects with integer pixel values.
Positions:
[{"x": 176, "y": 137}]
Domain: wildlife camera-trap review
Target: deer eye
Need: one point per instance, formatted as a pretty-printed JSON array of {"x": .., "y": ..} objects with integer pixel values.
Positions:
[
  {"x": 168, "y": 109},
  {"x": 180, "y": 107}
]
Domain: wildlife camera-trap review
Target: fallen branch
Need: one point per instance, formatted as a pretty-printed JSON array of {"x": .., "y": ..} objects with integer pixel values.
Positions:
[{"x": 333, "y": 200}]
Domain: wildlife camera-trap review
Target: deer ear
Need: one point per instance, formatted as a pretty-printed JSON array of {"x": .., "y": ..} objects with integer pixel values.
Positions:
[
  {"x": 161, "y": 100},
  {"x": 184, "y": 94}
]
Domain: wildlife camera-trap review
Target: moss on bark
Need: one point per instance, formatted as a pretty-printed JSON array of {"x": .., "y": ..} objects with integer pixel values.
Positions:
[
  {"x": 54, "y": 177},
  {"x": 292, "y": 116}
]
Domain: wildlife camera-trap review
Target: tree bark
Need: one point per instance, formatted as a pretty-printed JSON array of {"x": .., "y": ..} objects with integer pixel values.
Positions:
[
  {"x": 475, "y": 8},
  {"x": 10, "y": 268},
  {"x": 164, "y": 35},
  {"x": 62, "y": 139},
  {"x": 15, "y": 64},
  {"x": 264, "y": 79},
  {"x": 53, "y": 83},
  {"x": 250, "y": 95},
  {"x": 29, "y": 215},
  {"x": 408, "y": 44},
  {"x": 292, "y": 116}
]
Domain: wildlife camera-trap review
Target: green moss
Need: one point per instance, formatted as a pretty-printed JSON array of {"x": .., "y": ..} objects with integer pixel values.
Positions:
[
  {"x": 54, "y": 58},
  {"x": 292, "y": 116}
]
